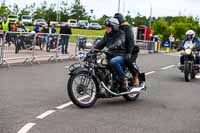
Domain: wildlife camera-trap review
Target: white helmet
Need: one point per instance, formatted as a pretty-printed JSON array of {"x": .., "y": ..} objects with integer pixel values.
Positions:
[
  {"x": 112, "y": 22},
  {"x": 191, "y": 33}
]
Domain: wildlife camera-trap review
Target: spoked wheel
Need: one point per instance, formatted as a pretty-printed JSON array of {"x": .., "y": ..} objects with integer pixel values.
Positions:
[
  {"x": 82, "y": 90},
  {"x": 187, "y": 72},
  {"x": 131, "y": 97}
]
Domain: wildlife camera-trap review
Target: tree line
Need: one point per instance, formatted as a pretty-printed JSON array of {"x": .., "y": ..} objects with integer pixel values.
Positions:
[{"x": 162, "y": 26}]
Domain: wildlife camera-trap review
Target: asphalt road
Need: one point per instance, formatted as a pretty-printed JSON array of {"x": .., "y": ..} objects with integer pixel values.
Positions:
[{"x": 29, "y": 97}]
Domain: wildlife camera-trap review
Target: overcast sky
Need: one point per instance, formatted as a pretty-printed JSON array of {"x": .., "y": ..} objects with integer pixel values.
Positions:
[{"x": 109, "y": 7}]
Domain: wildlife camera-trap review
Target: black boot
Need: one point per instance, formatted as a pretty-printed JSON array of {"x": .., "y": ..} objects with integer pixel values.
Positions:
[{"x": 124, "y": 84}]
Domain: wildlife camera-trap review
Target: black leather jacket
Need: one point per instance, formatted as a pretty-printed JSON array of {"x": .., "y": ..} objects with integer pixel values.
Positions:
[{"x": 114, "y": 41}]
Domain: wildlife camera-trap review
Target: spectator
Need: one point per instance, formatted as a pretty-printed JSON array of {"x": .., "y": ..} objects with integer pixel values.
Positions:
[
  {"x": 65, "y": 32},
  {"x": 150, "y": 44},
  {"x": 171, "y": 40},
  {"x": 6, "y": 26},
  {"x": 37, "y": 28},
  {"x": 53, "y": 29},
  {"x": 156, "y": 40},
  {"x": 45, "y": 30},
  {"x": 177, "y": 44}
]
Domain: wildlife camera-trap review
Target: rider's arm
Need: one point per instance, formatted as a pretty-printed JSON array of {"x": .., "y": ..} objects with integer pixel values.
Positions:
[
  {"x": 100, "y": 44},
  {"x": 182, "y": 46},
  {"x": 198, "y": 44}
]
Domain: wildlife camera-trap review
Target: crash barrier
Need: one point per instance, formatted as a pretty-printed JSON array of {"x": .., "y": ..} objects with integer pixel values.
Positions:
[
  {"x": 29, "y": 47},
  {"x": 150, "y": 46}
]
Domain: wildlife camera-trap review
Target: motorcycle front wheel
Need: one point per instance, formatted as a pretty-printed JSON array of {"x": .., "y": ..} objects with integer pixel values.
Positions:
[
  {"x": 187, "y": 72},
  {"x": 82, "y": 90}
]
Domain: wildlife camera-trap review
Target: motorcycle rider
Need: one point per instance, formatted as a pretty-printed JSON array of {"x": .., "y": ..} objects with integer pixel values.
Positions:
[
  {"x": 190, "y": 37},
  {"x": 114, "y": 41},
  {"x": 131, "y": 48}
]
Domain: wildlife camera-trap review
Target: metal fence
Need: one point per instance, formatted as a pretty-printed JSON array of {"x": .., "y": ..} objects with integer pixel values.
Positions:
[
  {"x": 149, "y": 46},
  {"x": 28, "y": 47}
]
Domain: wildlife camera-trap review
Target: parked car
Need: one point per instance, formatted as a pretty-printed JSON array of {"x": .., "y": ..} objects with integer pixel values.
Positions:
[
  {"x": 27, "y": 20},
  {"x": 54, "y": 22},
  {"x": 83, "y": 24},
  {"x": 95, "y": 26},
  {"x": 12, "y": 18},
  {"x": 40, "y": 22},
  {"x": 73, "y": 23}
]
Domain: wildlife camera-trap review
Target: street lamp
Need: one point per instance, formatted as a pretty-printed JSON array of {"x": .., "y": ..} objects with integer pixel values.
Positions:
[
  {"x": 119, "y": 3},
  {"x": 150, "y": 17},
  {"x": 58, "y": 11}
]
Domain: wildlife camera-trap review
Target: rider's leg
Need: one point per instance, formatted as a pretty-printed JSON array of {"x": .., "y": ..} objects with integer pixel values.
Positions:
[
  {"x": 134, "y": 71},
  {"x": 182, "y": 59},
  {"x": 198, "y": 60},
  {"x": 118, "y": 64}
]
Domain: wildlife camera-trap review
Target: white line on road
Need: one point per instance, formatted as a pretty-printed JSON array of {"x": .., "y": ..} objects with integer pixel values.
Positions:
[
  {"x": 26, "y": 128},
  {"x": 45, "y": 114},
  {"x": 148, "y": 73},
  {"x": 64, "y": 105},
  {"x": 168, "y": 67},
  {"x": 69, "y": 103}
]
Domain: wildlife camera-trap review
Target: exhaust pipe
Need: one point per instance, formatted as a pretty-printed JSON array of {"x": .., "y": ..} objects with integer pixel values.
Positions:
[{"x": 134, "y": 90}]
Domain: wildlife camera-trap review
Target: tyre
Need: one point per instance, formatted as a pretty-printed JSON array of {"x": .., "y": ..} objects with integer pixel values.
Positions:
[
  {"x": 131, "y": 97},
  {"x": 82, "y": 90},
  {"x": 187, "y": 72}
]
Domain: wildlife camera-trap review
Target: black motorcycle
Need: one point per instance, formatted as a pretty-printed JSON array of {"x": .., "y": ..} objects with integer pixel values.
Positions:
[
  {"x": 52, "y": 42},
  {"x": 94, "y": 78},
  {"x": 190, "y": 68}
]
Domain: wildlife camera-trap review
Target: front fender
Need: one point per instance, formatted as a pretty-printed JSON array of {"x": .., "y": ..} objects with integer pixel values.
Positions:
[{"x": 77, "y": 70}]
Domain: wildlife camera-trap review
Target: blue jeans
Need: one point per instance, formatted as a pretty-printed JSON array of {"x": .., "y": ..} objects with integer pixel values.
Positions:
[
  {"x": 118, "y": 64},
  {"x": 45, "y": 40},
  {"x": 64, "y": 43}
]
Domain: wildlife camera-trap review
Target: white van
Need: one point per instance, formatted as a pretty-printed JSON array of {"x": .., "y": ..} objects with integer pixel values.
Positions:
[
  {"x": 83, "y": 24},
  {"x": 27, "y": 20},
  {"x": 73, "y": 23}
]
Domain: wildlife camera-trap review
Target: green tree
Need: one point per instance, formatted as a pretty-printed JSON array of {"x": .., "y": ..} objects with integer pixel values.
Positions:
[
  {"x": 65, "y": 11},
  {"x": 140, "y": 20},
  {"x": 129, "y": 19},
  {"x": 160, "y": 26},
  {"x": 102, "y": 19},
  {"x": 4, "y": 10},
  {"x": 15, "y": 9},
  {"x": 78, "y": 11}
]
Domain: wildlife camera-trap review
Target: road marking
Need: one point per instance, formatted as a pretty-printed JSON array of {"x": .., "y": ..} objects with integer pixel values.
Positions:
[
  {"x": 149, "y": 73},
  {"x": 26, "y": 128},
  {"x": 168, "y": 67},
  {"x": 45, "y": 114},
  {"x": 69, "y": 103},
  {"x": 64, "y": 105},
  {"x": 66, "y": 67}
]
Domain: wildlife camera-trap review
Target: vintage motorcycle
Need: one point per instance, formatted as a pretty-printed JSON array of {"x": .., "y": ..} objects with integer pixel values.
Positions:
[
  {"x": 93, "y": 78},
  {"x": 189, "y": 68}
]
